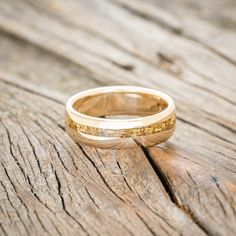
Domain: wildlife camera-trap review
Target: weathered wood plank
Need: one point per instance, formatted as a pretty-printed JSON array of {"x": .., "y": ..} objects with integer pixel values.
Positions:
[
  {"x": 212, "y": 110},
  {"x": 199, "y": 160},
  {"x": 100, "y": 66},
  {"x": 25, "y": 63},
  {"x": 206, "y": 192},
  {"x": 206, "y": 121},
  {"x": 212, "y": 25},
  {"x": 53, "y": 186}
]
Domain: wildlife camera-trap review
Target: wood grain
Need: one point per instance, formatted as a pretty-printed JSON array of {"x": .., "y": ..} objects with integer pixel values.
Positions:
[
  {"x": 50, "y": 185},
  {"x": 50, "y": 180}
]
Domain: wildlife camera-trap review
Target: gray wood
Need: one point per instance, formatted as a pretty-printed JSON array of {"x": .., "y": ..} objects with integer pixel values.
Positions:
[{"x": 50, "y": 185}]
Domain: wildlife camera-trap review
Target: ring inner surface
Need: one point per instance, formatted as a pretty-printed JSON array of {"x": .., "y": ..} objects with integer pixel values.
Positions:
[{"x": 118, "y": 105}]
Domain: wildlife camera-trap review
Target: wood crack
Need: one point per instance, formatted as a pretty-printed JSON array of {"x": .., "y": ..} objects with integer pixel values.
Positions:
[
  {"x": 170, "y": 192},
  {"x": 160, "y": 175},
  {"x": 3, "y": 80},
  {"x": 60, "y": 193},
  {"x": 146, "y": 16},
  {"x": 146, "y": 224},
  {"x": 223, "y": 125},
  {"x": 92, "y": 199},
  {"x": 155, "y": 212},
  {"x": 11, "y": 151},
  {"x": 125, "y": 180},
  {"x": 172, "y": 29},
  {"x": 3, "y": 230},
  {"x": 42, "y": 224},
  {"x": 195, "y": 183},
  {"x": 100, "y": 174},
  {"x": 215, "y": 180},
  {"x": 18, "y": 214},
  {"x": 205, "y": 130}
]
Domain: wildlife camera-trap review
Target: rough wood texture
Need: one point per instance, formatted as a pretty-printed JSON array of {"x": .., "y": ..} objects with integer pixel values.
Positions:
[{"x": 51, "y": 49}]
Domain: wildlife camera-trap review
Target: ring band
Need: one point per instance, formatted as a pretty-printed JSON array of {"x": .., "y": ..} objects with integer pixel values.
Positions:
[{"x": 117, "y": 117}]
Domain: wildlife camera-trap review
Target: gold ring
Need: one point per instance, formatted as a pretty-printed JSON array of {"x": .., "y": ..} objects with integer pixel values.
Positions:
[{"x": 117, "y": 117}]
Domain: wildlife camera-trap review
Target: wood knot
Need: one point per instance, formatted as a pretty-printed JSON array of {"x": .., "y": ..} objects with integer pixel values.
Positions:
[{"x": 168, "y": 63}]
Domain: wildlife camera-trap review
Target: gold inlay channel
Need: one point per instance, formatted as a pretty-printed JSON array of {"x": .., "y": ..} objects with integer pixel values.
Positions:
[{"x": 143, "y": 131}]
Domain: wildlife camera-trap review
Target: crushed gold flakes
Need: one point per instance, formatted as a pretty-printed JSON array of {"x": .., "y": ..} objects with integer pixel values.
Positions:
[{"x": 151, "y": 129}]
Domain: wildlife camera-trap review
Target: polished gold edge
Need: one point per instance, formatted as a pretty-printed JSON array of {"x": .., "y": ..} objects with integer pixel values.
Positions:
[{"x": 123, "y": 133}]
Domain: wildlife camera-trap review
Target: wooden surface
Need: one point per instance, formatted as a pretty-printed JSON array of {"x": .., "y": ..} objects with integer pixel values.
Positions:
[{"x": 51, "y": 49}]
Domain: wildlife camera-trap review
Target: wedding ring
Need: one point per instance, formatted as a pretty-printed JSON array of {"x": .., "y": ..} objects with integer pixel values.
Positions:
[{"x": 118, "y": 117}]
